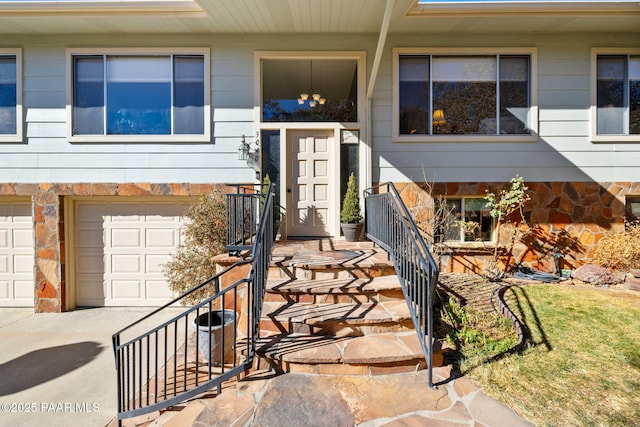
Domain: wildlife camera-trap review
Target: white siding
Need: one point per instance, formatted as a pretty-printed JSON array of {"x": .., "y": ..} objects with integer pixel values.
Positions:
[{"x": 563, "y": 151}]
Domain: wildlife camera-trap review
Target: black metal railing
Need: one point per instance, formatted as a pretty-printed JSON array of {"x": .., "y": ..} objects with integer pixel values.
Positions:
[
  {"x": 241, "y": 217},
  {"x": 389, "y": 224},
  {"x": 157, "y": 362}
]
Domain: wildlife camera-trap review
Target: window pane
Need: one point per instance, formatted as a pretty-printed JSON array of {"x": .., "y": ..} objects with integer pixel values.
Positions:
[
  {"x": 634, "y": 95},
  {"x": 283, "y": 81},
  {"x": 413, "y": 95},
  {"x": 451, "y": 221},
  {"x": 464, "y": 88},
  {"x": 478, "y": 221},
  {"x": 188, "y": 115},
  {"x": 138, "y": 95},
  {"x": 611, "y": 94},
  {"x": 514, "y": 95},
  {"x": 8, "y": 95},
  {"x": 88, "y": 95},
  {"x": 270, "y": 153}
]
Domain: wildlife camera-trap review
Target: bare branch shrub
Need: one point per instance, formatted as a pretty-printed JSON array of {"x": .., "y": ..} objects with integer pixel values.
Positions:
[
  {"x": 205, "y": 237},
  {"x": 621, "y": 250}
]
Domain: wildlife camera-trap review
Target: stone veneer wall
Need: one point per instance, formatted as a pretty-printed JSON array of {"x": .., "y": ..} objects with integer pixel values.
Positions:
[
  {"x": 572, "y": 216},
  {"x": 48, "y": 215}
]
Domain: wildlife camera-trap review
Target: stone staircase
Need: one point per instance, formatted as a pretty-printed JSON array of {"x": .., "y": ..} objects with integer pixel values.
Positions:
[{"x": 337, "y": 308}]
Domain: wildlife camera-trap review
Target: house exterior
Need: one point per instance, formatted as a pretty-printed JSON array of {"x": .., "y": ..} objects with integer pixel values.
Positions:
[{"x": 114, "y": 115}]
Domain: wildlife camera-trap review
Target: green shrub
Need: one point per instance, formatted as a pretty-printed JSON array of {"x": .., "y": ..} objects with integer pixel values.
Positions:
[
  {"x": 350, "y": 213},
  {"x": 620, "y": 251},
  {"x": 205, "y": 237}
]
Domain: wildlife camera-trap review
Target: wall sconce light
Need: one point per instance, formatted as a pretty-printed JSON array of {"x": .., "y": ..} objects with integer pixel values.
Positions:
[{"x": 247, "y": 153}]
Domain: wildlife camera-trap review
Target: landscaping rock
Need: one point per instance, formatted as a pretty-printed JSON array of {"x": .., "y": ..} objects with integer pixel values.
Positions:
[{"x": 596, "y": 275}]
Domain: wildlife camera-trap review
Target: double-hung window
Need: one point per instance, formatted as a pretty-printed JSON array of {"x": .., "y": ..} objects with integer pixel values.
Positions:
[
  {"x": 10, "y": 95},
  {"x": 139, "y": 96},
  {"x": 467, "y": 219},
  {"x": 616, "y": 95},
  {"x": 466, "y": 95}
]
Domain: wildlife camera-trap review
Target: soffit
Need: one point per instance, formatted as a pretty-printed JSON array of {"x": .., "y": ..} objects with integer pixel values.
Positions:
[{"x": 311, "y": 16}]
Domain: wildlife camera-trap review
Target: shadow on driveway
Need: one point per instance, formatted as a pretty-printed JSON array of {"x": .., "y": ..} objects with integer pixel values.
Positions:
[{"x": 43, "y": 365}]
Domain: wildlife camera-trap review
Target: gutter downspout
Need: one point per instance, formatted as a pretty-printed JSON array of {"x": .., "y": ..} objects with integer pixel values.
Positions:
[{"x": 382, "y": 38}]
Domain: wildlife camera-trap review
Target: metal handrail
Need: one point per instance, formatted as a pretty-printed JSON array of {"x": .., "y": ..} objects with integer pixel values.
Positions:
[
  {"x": 389, "y": 224},
  {"x": 154, "y": 368},
  {"x": 242, "y": 222}
]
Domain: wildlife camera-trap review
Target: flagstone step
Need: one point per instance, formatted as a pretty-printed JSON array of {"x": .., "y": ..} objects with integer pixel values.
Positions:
[
  {"x": 378, "y": 354},
  {"x": 301, "y": 263},
  {"x": 341, "y": 290},
  {"x": 340, "y": 319}
]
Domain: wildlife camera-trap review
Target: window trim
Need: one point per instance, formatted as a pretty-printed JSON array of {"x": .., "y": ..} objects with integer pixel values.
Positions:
[
  {"x": 593, "y": 108},
  {"x": 19, "y": 135},
  {"x": 205, "y": 52},
  {"x": 533, "y": 111}
]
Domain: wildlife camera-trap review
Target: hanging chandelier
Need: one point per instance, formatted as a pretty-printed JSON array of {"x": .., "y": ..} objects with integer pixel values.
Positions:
[{"x": 315, "y": 98}]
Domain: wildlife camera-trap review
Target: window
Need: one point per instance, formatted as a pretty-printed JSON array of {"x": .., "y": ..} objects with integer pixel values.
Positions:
[
  {"x": 309, "y": 90},
  {"x": 465, "y": 94},
  {"x": 466, "y": 220},
  {"x": 147, "y": 95},
  {"x": 632, "y": 209},
  {"x": 617, "y": 91},
  {"x": 10, "y": 95}
]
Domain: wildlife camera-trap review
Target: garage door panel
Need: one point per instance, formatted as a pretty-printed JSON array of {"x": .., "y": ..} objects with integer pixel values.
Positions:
[
  {"x": 126, "y": 289},
  {"x": 125, "y": 238},
  {"x": 158, "y": 291},
  {"x": 154, "y": 264},
  {"x": 22, "y": 264},
  {"x": 4, "y": 238},
  {"x": 161, "y": 238},
  {"x": 125, "y": 263},
  {"x": 129, "y": 243},
  {"x": 23, "y": 239},
  {"x": 23, "y": 290},
  {"x": 4, "y": 263}
]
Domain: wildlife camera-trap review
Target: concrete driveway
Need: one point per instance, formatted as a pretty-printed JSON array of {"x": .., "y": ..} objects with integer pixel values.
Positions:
[{"x": 58, "y": 369}]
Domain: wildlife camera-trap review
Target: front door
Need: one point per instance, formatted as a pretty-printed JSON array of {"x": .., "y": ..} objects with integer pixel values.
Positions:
[{"x": 310, "y": 183}]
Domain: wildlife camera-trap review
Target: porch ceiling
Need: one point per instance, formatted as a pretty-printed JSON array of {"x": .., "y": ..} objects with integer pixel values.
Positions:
[{"x": 311, "y": 16}]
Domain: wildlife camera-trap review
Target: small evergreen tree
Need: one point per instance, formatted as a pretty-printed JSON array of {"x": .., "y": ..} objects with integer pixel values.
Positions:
[{"x": 350, "y": 213}]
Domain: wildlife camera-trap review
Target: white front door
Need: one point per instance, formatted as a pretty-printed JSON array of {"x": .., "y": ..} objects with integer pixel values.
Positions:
[{"x": 310, "y": 183}]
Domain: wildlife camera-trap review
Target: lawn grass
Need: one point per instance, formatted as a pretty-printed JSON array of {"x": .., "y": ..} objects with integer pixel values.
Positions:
[{"x": 581, "y": 363}]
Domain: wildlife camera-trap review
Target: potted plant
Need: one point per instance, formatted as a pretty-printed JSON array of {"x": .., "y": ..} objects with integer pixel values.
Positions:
[{"x": 350, "y": 215}]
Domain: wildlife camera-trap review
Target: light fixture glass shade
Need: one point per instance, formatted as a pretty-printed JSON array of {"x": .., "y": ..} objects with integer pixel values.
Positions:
[
  {"x": 316, "y": 96},
  {"x": 300, "y": 101},
  {"x": 322, "y": 101},
  {"x": 438, "y": 117},
  {"x": 312, "y": 103},
  {"x": 304, "y": 96}
]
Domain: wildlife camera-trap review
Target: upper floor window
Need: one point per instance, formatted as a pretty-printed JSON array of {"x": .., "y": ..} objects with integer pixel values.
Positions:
[
  {"x": 10, "y": 96},
  {"x": 617, "y": 94},
  {"x": 471, "y": 95},
  {"x": 150, "y": 96}
]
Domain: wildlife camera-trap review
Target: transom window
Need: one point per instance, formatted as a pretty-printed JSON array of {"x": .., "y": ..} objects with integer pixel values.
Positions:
[
  {"x": 618, "y": 94},
  {"x": 10, "y": 96},
  {"x": 466, "y": 220},
  {"x": 309, "y": 90},
  {"x": 463, "y": 94},
  {"x": 127, "y": 94}
]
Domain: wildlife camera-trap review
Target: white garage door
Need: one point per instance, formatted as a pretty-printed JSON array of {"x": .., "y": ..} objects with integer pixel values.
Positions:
[
  {"x": 16, "y": 255},
  {"x": 120, "y": 249}
]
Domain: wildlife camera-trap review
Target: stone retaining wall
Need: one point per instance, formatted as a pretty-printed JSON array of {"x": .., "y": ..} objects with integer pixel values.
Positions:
[{"x": 571, "y": 216}]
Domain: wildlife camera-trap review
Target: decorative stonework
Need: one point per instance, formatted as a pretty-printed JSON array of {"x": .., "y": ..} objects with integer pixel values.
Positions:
[
  {"x": 570, "y": 216},
  {"x": 48, "y": 217}
]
